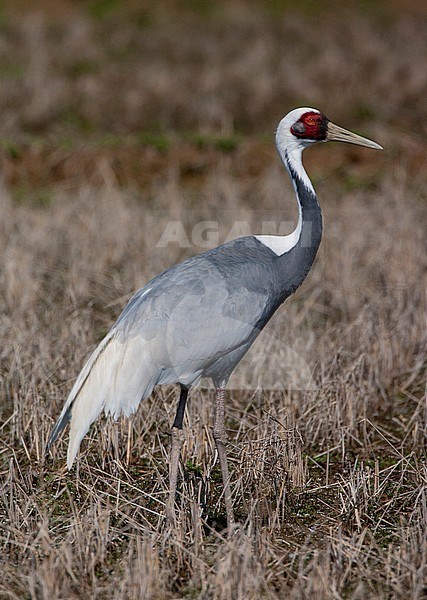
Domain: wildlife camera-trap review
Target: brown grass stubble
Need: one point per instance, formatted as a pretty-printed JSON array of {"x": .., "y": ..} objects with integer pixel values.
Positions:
[
  {"x": 328, "y": 482},
  {"x": 328, "y": 478}
]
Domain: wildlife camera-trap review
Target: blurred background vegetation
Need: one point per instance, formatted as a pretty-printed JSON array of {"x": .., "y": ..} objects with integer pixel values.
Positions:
[{"x": 115, "y": 77}]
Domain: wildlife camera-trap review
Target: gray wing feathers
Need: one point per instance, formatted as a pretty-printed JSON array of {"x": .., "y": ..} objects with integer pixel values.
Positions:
[
  {"x": 194, "y": 322},
  {"x": 173, "y": 330}
]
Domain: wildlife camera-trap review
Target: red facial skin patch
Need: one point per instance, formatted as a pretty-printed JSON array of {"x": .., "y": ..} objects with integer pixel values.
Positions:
[{"x": 311, "y": 126}]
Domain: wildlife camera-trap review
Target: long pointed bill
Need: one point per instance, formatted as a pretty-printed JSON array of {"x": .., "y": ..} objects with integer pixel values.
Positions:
[{"x": 338, "y": 134}]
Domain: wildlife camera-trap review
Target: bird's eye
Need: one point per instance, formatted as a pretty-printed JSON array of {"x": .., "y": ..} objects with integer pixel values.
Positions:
[{"x": 310, "y": 121}]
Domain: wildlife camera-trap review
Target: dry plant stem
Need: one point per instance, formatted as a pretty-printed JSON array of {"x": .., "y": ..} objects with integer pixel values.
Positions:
[
  {"x": 220, "y": 438},
  {"x": 177, "y": 440}
]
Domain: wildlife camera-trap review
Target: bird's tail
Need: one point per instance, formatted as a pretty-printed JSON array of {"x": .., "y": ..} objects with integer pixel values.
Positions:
[{"x": 117, "y": 376}]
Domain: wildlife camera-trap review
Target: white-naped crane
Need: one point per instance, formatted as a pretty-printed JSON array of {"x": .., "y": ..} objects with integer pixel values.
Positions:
[{"x": 199, "y": 318}]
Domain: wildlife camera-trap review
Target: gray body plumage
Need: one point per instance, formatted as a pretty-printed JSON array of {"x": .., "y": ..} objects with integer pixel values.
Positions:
[
  {"x": 196, "y": 319},
  {"x": 206, "y": 312}
]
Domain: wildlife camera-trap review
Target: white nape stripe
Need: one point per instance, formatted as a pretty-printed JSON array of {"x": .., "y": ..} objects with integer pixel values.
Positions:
[
  {"x": 290, "y": 149},
  {"x": 280, "y": 244}
]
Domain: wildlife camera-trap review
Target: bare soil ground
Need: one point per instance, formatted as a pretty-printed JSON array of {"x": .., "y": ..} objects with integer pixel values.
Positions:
[{"x": 120, "y": 118}]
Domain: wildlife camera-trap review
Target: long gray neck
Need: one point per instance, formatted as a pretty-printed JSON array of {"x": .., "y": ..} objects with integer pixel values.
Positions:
[{"x": 295, "y": 264}]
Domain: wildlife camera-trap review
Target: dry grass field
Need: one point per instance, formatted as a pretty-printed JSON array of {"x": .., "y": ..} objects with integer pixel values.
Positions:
[{"x": 118, "y": 119}]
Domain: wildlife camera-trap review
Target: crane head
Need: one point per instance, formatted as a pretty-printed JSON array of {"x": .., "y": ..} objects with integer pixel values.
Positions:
[{"x": 304, "y": 126}]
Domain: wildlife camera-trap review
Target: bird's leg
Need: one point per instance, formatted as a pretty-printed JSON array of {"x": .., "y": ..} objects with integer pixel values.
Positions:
[
  {"x": 220, "y": 438},
  {"x": 177, "y": 440}
]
